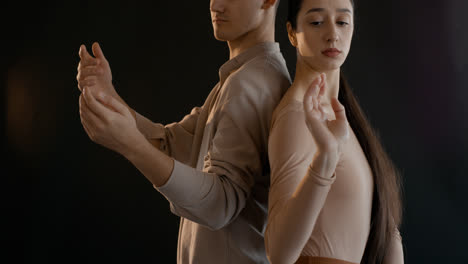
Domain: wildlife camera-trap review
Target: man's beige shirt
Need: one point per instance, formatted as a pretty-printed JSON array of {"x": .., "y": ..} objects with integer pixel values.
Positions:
[{"x": 219, "y": 185}]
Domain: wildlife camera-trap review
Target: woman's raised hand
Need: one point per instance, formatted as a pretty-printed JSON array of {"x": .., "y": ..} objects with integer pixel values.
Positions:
[{"x": 329, "y": 135}]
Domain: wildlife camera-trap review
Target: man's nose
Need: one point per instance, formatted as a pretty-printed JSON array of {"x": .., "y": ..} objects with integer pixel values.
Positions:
[{"x": 217, "y": 6}]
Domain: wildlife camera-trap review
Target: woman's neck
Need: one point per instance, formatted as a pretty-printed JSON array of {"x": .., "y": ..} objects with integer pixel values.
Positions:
[{"x": 304, "y": 77}]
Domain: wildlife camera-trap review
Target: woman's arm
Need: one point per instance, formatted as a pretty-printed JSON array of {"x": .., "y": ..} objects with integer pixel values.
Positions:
[
  {"x": 395, "y": 253},
  {"x": 291, "y": 223},
  {"x": 294, "y": 205}
]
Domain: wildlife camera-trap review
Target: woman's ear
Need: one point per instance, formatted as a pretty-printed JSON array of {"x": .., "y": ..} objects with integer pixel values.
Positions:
[
  {"x": 268, "y": 3},
  {"x": 291, "y": 34}
]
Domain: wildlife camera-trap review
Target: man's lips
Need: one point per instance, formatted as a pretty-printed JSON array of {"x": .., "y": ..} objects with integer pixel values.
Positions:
[
  {"x": 219, "y": 20},
  {"x": 331, "y": 52}
]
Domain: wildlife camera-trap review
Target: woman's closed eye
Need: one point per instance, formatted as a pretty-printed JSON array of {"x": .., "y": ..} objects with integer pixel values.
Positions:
[{"x": 342, "y": 23}]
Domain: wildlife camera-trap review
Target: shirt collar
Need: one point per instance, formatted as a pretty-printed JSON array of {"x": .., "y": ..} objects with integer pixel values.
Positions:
[{"x": 252, "y": 52}]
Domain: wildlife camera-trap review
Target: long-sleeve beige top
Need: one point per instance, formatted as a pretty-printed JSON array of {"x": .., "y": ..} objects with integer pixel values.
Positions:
[
  {"x": 333, "y": 219},
  {"x": 219, "y": 185}
]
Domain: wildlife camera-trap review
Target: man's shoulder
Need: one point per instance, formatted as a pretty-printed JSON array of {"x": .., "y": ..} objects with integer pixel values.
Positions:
[
  {"x": 266, "y": 65},
  {"x": 264, "y": 74}
]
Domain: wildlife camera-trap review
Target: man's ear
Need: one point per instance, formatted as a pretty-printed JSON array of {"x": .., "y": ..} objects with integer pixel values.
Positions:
[
  {"x": 268, "y": 3},
  {"x": 291, "y": 34}
]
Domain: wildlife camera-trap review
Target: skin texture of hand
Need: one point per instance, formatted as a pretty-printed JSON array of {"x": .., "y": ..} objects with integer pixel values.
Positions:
[
  {"x": 95, "y": 73},
  {"x": 109, "y": 123},
  {"x": 329, "y": 135}
]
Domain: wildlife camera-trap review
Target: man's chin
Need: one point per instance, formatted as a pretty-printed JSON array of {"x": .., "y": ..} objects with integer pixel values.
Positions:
[{"x": 220, "y": 36}]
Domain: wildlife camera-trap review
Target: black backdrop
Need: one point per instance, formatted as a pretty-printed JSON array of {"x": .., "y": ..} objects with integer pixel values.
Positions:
[{"x": 66, "y": 199}]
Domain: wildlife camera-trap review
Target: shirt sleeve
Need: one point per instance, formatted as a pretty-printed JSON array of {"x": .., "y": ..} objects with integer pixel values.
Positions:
[
  {"x": 236, "y": 157},
  {"x": 175, "y": 139},
  {"x": 394, "y": 253},
  {"x": 297, "y": 194}
]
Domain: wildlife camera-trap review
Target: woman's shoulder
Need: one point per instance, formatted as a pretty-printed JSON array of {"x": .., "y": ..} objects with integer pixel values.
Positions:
[
  {"x": 290, "y": 141},
  {"x": 288, "y": 110}
]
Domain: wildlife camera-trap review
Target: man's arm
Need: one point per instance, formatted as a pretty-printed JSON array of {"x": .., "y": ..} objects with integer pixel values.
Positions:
[
  {"x": 108, "y": 122},
  {"x": 216, "y": 195},
  {"x": 174, "y": 140},
  {"x": 212, "y": 197}
]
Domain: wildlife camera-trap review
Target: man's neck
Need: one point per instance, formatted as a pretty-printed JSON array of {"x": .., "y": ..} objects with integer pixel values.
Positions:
[{"x": 250, "y": 39}]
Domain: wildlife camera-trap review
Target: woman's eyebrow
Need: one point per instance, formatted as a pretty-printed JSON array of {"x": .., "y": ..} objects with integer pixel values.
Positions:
[
  {"x": 320, "y": 9},
  {"x": 343, "y": 10},
  {"x": 315, "y": 10}
]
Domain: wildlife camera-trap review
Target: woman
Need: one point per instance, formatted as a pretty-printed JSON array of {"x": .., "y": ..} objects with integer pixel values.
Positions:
[{"x": 335, "y": 195}]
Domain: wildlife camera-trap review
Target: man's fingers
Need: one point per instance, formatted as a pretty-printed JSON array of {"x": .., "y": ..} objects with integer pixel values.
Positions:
[
  {"x": 89, "y": 71},
  {"x": 87, "y": 76},
  {"x": 85, "y": 57},
  {"x": 97, "y": 108},
  {"x": 113, "y": 103},
  {"x": 88, "y": 118},
  {"x": 89, "y": 81},
  {"x": 97, "y": 51}
]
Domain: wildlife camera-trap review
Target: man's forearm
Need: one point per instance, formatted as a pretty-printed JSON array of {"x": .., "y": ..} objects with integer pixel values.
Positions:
[
  {"x": 151, "y": 162},
  {"x": 155, "y": 142}
]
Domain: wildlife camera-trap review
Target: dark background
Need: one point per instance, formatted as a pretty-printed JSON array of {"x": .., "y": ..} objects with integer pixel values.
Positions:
[{"x": 68, "y": 200}]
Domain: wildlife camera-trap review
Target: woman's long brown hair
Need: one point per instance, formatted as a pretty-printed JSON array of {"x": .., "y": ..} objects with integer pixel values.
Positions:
[{"x": 386, "y": 204}]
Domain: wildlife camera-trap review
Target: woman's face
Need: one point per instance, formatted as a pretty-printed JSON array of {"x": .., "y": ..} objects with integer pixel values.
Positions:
[{"x": 323, "y": 33}]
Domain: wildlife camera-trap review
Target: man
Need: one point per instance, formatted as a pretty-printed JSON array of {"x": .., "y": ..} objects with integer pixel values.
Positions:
[{"x": 212, "y": 166}]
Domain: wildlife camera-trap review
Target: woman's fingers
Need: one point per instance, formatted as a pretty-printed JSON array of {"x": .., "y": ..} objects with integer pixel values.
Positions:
[
  {"x": 311, "y": 93},
  {"x": 339, "y": 109},
  {"x": 339, "y": 127},
  {"x": 323, "y": 85},
  {"x": 323, "y": 115}
]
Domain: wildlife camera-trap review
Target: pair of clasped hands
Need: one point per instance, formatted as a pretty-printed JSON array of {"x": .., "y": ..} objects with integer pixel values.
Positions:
[
  {"x": 105, "y": 117},
  {"x": 108, "y": 121}
]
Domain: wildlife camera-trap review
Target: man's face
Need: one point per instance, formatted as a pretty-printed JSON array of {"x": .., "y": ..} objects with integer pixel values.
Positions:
[{"x": 232, "y": 19}]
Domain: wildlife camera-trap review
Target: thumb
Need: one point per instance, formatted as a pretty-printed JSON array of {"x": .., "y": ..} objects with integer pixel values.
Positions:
[
  {"x": 97, "y": 51},
  {"x": 84, "y": 55},
  {"x": 339, "y": 109}
]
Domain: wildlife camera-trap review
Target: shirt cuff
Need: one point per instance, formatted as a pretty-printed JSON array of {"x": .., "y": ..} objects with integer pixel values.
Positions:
[{"x": 181, "y": 184}]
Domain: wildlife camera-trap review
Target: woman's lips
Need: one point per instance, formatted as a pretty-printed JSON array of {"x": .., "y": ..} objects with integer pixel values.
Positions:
[{"x": 332, "y": 53}]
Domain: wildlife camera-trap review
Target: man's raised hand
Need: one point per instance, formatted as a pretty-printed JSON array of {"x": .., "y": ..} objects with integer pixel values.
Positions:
[{"x": 94, "y": 72}]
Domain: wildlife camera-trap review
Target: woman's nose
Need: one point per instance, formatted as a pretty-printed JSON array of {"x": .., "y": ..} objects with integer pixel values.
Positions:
[{"x": 332, "y": 34}]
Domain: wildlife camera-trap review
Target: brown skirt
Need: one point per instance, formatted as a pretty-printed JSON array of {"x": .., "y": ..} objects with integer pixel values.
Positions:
[{"x": 321, "y": 260}]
